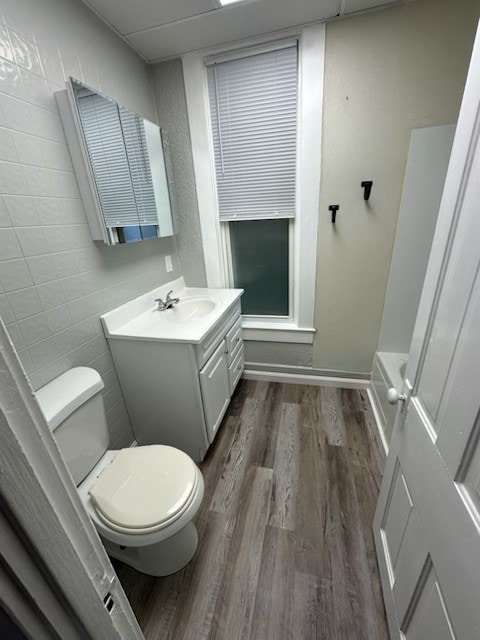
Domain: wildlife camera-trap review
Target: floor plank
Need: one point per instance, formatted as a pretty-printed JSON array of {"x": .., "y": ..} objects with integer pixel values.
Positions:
[
  {"x": 202, "y": 591},
  {"x": 235, "y": 605},
  {"x": 366, "y": 488},
  {"x": 273, "y": 613},
  {"x": 286, "y": 466},
  {"x": 354, "y": 606},
  {"x": 332, "y": 416},
  {"x": 227, "y": 490},
  {"x": 286, "y": 547},
  {"x": 218, "y": 457},
  {"x": 311, "y": 500},
  {"x": 313, "y": 606},
  {"x": 264, "y": 446}
]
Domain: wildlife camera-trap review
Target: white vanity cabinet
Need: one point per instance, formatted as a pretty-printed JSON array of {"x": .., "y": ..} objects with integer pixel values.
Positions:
[{"x": 177, "y": 392}]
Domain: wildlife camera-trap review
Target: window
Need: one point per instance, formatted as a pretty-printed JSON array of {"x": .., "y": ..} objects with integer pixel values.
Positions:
[
  {"x": 253, "y": 115},
  {"x": 271, "y": 237},
  {"x": 260, "y": 263}
]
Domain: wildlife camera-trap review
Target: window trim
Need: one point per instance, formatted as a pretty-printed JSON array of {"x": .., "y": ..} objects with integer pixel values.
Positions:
[{"x": 300, "y": 326}]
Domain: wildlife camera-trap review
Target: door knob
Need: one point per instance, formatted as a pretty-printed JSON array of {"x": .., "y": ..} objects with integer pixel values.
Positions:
[{"x": 394, "y": 397}]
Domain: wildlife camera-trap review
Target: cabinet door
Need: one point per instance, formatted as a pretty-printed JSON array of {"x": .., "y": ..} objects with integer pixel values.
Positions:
[{"x": 214, "y": 382}]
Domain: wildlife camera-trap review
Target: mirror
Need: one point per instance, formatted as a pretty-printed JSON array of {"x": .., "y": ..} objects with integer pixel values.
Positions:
[{"x": 124, "y": 167}]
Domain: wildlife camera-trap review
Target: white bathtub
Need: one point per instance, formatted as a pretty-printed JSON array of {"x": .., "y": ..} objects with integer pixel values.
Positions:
[{"x": 388, "y": 371}]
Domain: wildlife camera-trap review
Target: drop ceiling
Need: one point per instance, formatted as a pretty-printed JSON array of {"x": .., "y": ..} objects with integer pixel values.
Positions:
[{"x": 159, "y": 29}]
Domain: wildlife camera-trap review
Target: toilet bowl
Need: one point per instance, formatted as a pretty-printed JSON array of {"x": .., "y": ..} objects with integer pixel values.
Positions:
[
  {"x": 141, "y": 499},
  {"x": 160, "y": 549}
]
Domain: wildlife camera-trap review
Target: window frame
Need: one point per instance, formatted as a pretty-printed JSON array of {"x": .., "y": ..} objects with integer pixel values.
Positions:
[{"x": 298, "y": 327}]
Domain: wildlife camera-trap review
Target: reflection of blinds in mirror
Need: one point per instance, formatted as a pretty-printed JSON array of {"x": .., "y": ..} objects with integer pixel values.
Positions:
[
  {"x": 253, "y": 107},
  {"x": 108, "y": 158},
  {"x": 137, "y": 153}
]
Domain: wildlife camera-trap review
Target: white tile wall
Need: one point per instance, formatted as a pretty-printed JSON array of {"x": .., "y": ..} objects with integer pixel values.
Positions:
[{"x": 54, "y": 280}]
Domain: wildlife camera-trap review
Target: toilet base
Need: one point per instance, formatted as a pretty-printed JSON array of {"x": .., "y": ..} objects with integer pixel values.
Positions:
[{"x": 160, "y": 559}]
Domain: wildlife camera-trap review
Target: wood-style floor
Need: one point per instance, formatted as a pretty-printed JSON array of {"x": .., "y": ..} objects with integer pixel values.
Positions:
[{"x": 286, "y": 548}]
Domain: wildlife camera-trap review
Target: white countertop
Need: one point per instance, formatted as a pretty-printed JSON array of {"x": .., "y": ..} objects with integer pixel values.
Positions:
[{"x": 139, "y": 318}]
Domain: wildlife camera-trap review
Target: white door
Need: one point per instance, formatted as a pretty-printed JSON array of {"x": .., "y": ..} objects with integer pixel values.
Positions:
[{"x": 427, "y": 524}]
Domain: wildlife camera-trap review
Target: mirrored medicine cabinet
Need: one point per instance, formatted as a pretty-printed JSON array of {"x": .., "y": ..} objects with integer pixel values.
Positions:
[{"x": 121, "y": 163}]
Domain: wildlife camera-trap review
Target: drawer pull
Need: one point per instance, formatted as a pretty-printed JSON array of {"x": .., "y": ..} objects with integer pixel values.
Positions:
[
  {"x": 239, "y": 367},
  {"x": 237, "y": 339}
]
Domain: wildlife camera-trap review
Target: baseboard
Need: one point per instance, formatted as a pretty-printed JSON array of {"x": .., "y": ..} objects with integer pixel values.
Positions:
[
  {"x": 378, "y": 419},
  {"x": 308, "y": 371},
  {"x": 306, "y": 378}
]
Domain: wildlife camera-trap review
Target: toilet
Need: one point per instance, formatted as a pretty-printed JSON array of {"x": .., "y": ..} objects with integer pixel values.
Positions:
[{"x": 142, "y": 499}]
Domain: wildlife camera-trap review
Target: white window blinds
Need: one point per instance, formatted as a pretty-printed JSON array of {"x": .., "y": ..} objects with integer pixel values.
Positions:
[
  {"x": 138, "y": 159},
  {"x": 117, "y": 146},
  {"x": 106, "y": 148},
  {"x": 253, "y": 107}
]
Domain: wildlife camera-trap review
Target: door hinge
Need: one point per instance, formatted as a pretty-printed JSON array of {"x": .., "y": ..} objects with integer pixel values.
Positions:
[
  {"x": 108, "y": 602},
  {"x": 108, "y": 582}
]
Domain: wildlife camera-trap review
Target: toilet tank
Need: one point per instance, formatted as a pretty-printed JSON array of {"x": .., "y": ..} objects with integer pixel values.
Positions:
[{"x": 73, "y": 408}]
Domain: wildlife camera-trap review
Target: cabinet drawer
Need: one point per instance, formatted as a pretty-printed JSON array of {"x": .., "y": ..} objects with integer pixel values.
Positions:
[
  {"x": 234, "y": 338},
  {"x": 215, "y": 385},
  {"x": 217, "y": 334},
  {"x": 235, "y": 370}
]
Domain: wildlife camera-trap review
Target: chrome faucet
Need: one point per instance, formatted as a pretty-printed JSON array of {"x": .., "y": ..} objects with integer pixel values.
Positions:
[{"x": 168, "y": 303}]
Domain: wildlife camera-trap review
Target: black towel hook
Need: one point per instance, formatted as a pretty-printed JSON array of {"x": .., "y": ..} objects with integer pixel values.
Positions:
[
  {"x": 334, "y": 208},
  {"x": 367, "y": 186}
]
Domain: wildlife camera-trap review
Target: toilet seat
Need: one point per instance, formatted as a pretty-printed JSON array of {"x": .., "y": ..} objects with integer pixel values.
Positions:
[{"x": 145, "y": 489}]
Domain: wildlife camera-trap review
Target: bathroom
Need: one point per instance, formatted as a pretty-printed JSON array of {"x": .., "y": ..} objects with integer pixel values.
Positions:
[{"x": 316, "y": 348}]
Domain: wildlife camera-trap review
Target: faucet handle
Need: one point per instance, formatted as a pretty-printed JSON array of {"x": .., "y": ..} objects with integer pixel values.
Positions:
[
  {"x": 161, "y": 304},
  {"x": 171, "y": 300},
  {"x": 168, "y": 303}
]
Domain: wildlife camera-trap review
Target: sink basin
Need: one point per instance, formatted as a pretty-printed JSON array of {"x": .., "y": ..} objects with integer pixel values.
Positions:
[{"x": 190, "y": 309}]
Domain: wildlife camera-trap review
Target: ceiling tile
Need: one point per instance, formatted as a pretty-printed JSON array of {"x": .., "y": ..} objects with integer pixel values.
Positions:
[
  {"x": 234, "y": 22},
  {"x": 360, "y": 5},
  {"x": 128, "y": 16},
  {"x": 159, "y": 29}
]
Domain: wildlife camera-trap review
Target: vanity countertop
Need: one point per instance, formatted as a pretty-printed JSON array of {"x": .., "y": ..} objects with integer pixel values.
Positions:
[{"x": 139, "y": 318}]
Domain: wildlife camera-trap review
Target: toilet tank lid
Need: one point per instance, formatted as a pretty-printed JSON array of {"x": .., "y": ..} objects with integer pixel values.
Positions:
[{"x": 60, "y": 397}]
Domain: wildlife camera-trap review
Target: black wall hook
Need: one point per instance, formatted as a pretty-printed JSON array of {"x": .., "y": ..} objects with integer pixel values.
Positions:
[
  {"x": 334, "y": 208},
  {"x": 367, "y": 186}
]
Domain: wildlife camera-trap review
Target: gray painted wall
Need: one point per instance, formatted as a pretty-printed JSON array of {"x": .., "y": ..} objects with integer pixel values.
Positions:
[
  {"x": 278, "y": 353},
  {"x": 54, "y": 280},
  {"x": 172, "y": 116},
  {"x": 385, "y": 73}
]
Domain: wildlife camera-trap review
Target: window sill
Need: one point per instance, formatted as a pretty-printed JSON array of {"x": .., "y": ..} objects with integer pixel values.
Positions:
[{"x": 276, "y": 332}]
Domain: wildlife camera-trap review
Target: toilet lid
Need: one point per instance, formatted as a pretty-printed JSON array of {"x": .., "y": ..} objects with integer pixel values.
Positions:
[{"x": 144, "y": 488}]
